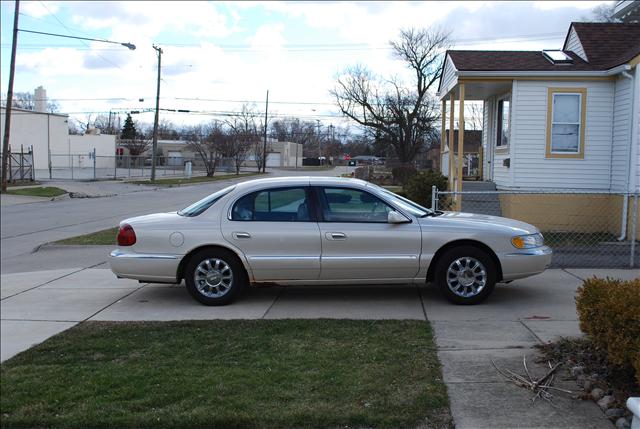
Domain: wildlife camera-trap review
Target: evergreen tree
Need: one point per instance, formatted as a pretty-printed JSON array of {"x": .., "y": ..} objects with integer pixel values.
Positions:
[{"x": 129, "y": 130}]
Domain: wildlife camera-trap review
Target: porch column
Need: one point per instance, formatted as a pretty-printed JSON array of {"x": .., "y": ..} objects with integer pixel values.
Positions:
[
  {"x": 443, "y": 131},
  {"x": 451, "y": 157},
  {"x": 460, "y": 147}
]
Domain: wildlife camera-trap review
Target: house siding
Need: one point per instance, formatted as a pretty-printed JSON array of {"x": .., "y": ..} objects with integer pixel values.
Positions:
[
  {"x": 448, "y": 76},
  {"x": 533, "y": 170},
  {"x": 622, "y": 106},
  {"x": 573, "y": 44}
]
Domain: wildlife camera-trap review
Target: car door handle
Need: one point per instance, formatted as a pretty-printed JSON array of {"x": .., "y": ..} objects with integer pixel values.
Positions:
[
  {"x": 241, "y": 235},
  {"x": 336, "y": 236}
]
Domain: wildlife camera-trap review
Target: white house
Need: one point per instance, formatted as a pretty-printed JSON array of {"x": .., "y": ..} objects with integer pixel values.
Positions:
[{"x": 565, "y": 119}]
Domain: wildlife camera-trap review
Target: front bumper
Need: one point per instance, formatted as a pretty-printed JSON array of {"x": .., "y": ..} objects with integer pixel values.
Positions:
[
  {"x": 145, "y": 267},
  {"x": 525, "y": 263}
]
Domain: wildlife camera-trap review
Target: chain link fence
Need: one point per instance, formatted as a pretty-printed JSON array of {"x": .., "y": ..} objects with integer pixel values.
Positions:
[
  {"x": 584, "y": 229},
  {"x": 88, "y": 166}
]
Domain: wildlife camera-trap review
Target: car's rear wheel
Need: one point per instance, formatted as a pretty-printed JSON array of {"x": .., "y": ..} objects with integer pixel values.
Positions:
[
  {"x": 466, "y": 275},
  {"x": 214, "y": 276}
]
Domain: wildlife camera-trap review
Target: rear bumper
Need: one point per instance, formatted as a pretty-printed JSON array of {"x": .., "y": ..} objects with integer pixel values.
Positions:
[
  {"x": 525, "y": 263},
  {"x": 146, "y": 267}
]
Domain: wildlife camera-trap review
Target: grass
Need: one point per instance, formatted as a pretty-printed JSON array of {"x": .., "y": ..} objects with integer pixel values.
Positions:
[
  {"x": 23, "y": 183},
  {"x": 40, "y": 191},
  {"x": 176, "y": 181},
  {"x": 229, "y": 374},
  {"x": 104, "y": 237}
]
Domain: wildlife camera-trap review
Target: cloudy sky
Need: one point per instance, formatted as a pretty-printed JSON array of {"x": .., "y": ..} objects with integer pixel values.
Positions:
[{"x": 219, "y": 54}]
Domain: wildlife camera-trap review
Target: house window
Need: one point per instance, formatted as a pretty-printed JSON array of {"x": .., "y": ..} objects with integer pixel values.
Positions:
[
  {"x": 565, "y": 122},
  {"x": 503, "y": 123}
]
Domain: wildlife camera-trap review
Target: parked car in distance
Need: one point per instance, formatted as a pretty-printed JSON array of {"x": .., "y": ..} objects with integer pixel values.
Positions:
[{"x": 323, "y": 230}]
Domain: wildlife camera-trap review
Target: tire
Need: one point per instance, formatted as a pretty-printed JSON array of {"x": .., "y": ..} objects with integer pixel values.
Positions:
[
  {"x": 478, "y": 275},
  {"x": 215, "y": 276}
]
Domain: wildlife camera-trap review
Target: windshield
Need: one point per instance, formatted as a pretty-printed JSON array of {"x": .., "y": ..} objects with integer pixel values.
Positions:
[
  {"x": 196, "y": 208},
  {"x": 406, "y": 204}
]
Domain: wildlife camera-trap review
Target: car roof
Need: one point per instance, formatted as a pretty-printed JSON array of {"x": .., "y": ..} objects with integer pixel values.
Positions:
[{"x": 300, "y": 180}]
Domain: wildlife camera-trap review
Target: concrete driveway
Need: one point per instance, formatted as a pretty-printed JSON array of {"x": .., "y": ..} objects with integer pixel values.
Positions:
[{"x": 37, "y": 305}]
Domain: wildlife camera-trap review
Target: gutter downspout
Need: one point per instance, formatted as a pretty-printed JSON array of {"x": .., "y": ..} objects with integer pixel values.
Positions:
[{"x": 630, "y": 165}]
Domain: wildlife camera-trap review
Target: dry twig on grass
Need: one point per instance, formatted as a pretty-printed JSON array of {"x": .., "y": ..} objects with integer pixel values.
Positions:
[{"x": 540, "y": 386}]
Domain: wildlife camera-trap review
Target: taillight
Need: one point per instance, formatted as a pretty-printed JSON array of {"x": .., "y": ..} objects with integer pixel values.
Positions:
[{"x": 126, "y": 236}]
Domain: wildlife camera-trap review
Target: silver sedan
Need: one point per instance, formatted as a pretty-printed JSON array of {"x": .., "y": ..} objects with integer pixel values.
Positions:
[{"x": 313, "y": 230}]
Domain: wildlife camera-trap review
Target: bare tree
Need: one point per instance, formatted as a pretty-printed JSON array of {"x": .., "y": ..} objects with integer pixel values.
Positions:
[
  {"x": 603, "y": 13},
  {"x": 474, "y": 116},
  {"x": 404, "y": 114},
  {"x": 136, "y": 146},
  {"x": 26, "y": 100},
  {"x": 244, "y": 135},
  {"x": 206, "y": 142}
]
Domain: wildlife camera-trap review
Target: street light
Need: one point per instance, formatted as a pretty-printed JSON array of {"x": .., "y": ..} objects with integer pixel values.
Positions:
[
  {"x": 126, "y": 45},
  {"x": 12, "y": 70}
]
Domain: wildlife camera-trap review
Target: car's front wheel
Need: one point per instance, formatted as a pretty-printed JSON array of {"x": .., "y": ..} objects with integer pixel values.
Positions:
[
  {"x": 214, "y": 277},
  {"x": 466, "y": 275}
]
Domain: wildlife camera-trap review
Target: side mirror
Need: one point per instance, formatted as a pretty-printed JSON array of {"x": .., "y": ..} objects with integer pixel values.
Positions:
[{"x": 395, "y": 217}]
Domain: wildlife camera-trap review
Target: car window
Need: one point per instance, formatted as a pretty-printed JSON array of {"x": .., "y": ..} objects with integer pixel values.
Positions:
[
  {"x": 352, "y": 205},
  {"x": 200, "y": 206},
  {"x": 273, "y": 205}
]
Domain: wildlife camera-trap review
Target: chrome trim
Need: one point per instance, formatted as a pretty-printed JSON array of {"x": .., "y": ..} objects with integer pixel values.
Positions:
[
  {"x": 396, "y": 257},
  {"x": 119, "y": 254},
  {"x": 533, "y": 252},
  {"x": 282, "y": 258}
]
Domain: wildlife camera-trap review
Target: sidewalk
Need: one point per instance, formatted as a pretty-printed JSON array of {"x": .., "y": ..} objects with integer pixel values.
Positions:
[{"x": 517, "y": 316}]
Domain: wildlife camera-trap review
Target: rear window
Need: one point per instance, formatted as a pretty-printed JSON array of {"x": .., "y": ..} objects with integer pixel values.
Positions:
[
  {"x": 201, "y": 206},
  {"x": 273, "y": 205}
]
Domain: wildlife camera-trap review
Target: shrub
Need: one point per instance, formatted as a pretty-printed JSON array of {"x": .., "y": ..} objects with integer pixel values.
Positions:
[
  {"x": 609, "y": 313},
  {"x": 403, "y": 173},
  {"x": 418, "y": 188}
]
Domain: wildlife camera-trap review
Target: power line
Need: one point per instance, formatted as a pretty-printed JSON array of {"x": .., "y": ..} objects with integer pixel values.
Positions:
[{"x": 68, "y": 29}]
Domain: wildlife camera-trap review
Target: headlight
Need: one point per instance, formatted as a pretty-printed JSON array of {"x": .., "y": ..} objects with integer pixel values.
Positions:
[{"x": 527, "y": 241}]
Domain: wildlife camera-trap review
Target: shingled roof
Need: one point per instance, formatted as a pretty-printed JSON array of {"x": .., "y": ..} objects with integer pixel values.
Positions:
[{"x": 606, "y": 45}]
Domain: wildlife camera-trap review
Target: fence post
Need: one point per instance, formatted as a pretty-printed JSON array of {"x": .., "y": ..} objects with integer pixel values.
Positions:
[
  {"x": 634, "y": 226},
  {"x": 21, "y": 162},
  {"x": 33, "y": 173},
  {"x": 434, "y": 197},
  {"x": 94, "y": 163}
]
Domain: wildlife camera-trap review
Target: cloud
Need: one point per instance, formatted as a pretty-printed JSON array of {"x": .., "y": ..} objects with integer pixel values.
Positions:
[{"x": 37, "y": 9}]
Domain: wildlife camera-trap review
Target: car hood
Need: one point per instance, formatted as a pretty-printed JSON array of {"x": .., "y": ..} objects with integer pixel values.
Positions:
[
  {"x": 152, "y": 218},
  {"x": 480, "y": 221}
]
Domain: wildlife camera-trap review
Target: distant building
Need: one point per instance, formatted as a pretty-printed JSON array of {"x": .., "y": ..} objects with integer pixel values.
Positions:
[{"x": 48, "y": 135}]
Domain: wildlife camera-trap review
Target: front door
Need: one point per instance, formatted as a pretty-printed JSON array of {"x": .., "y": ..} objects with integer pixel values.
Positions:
[
  {"x": 358, "y": 243},
  {"x": 277, "y": 231}
]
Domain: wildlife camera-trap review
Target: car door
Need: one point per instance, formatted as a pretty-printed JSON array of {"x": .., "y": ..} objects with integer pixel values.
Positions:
[
  {"x": 358, "y": 243},
  {"x": 276, "y": 229}
]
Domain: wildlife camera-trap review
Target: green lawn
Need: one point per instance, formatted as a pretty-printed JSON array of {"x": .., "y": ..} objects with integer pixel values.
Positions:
[
  {"x": 195, "y": 179},
  {"x": 229, "y": 374},
  {"x": 40, "y": 191},
  {"x": 104, "y": 237}
]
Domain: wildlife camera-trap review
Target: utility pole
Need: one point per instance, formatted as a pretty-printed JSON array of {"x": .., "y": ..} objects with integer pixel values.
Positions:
[
  {"x": 319, "y": 142},
  {"x": 154, "y": 147},
  {"x": 7, "y": 121},
  {"x": 264, "y": 148}
]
